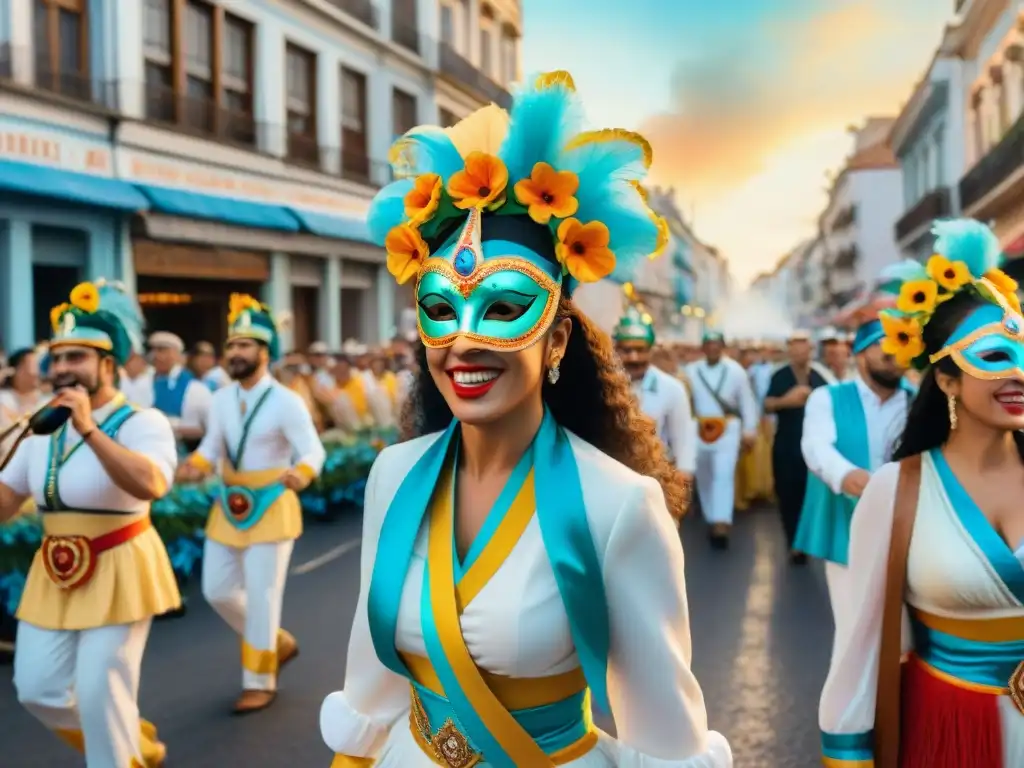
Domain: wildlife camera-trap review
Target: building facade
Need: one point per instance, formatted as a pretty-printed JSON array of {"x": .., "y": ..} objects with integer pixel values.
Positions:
[
  {"x": 928, "y": 139},
  {"x": 194, "y": 148},
  {"x": 858, "y": 224}
]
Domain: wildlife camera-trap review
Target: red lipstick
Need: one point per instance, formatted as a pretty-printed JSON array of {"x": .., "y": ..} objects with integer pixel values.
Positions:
[{"x": 470, "y": 382}]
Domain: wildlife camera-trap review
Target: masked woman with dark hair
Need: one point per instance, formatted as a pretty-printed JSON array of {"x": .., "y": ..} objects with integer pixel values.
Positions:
[
  {"x": 520, "y": 559},
  {"x": 938, "y": 535}
]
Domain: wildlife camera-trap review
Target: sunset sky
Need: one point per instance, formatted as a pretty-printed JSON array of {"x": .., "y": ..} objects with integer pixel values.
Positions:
[{"x": 747, "y": 108}]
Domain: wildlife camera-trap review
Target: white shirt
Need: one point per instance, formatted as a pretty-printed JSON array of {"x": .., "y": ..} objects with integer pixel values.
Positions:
[
  {"x": 84, "y": 484},
  {"x": 517, "y": 626},
  {"x": 195, "y": 408},
  {"x": 216, "y": 377},
  {"x": 281, "y": 434},
  {"x": 139, "y": 390},
  {"x": 666, "y": 401},
  {"x": 885, "y": 421},
  {"x": 732, "y": 385}
]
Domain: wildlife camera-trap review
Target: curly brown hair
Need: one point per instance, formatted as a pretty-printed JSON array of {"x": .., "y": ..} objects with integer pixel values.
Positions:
[{"x": 593, "y": 399}]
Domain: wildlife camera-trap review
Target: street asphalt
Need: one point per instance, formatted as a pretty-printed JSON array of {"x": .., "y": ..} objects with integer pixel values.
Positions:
[{"x": 761, "y": 641}]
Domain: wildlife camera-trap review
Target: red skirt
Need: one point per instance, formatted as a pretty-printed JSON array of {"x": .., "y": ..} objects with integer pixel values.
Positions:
[{"x": 946, "y": 726}]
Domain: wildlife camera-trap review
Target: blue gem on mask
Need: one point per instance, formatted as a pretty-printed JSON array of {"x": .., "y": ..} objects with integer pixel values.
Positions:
[
  {"x": 1012, "y": 325},
  {"x": 465, "y": 262}
]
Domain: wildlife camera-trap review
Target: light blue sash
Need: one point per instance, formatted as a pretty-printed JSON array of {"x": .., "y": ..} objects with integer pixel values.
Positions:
[
  {"x": 257, "y": 500},
  {"x": 824, "y": 529}
]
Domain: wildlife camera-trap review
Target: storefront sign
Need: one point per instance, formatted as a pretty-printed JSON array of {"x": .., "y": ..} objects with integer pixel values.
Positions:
[
  {"x": 26, "y": 142},
  {"x": 153, "y": 259},
  {"x": 148, "y": 169}
]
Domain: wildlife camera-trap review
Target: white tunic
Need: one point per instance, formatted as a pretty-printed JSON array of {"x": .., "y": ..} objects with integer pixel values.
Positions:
[
  {"x": 666, "y": 401},
  {"x": 281, "y": 435},
  {"x": 948, "y": 575},
  {"x": 84, "y": 484},
  {"x": 517, "y": 626},
  {"x": 728, "y": 378},
  {"x": 885, "y": 422}
]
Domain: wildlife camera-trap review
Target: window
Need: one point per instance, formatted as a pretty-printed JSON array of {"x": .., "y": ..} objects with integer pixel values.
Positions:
[
  {"x": 486, "y": 59},
  {"x": 448, "y": 25},
  {"x": 60, "y": 34},
  {"x": 404, "y": 29},
  {"x": 300, "y": 103},
  {"x": 355, "y": 161},
  {"x": 510, "y": 59},
  {"x": 199, "y": 68},
  {"x": 403, "y": 112}
]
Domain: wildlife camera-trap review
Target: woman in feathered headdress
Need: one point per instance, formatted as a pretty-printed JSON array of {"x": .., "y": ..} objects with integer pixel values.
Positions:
[
  {"x": 534, "y": 505},
  {"x": 940, "y": 531}
]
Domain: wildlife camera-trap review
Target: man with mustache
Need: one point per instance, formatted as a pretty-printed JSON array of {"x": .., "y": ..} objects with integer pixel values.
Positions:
[
  {"x": 662, "y": 397},
  {"x": 256, "y": 426},
  {"x": 848, "y": 433},
  {"x": 102, "y": 572}
]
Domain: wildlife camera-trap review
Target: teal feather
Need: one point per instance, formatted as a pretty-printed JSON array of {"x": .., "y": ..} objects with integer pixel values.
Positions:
[
  {"x": 597, "y": 163},
  {"x": 428, "y": 149},
  {"x": 542, "y": 122},
  {"x": 633, "y": 233},
  {"x": 116, "y": 301},
  {"x": 892, "y": 277},
  {"x": 969, "y": 241},
  {"x": 387, "y": 209}
]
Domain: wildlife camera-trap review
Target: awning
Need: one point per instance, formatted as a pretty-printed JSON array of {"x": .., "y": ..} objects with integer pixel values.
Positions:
[
  {"x": 337, "y": 227},
  {"x": 40, "y": 180},
  {"x": 196, "y": 205}
]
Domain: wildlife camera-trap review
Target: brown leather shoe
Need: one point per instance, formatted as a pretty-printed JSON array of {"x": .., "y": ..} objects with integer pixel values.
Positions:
[
  {"x": 254, "y": 701},
  {"x": 287, "y": 648}
]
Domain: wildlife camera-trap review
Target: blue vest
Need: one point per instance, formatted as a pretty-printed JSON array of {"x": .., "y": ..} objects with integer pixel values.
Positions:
[
  {"x": 824, "y": 530},
  {"x": 171, "y": 400}
]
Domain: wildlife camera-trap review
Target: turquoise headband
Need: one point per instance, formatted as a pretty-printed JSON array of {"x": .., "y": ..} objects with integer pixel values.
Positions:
[{"x": 868, "y": 335}]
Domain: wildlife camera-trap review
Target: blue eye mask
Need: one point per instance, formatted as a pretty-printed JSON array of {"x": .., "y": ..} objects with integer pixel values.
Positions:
[{"x": 988, "y": 344}]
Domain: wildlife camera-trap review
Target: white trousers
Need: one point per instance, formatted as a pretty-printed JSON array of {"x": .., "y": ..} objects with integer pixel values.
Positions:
[
  {"x": 246, "y": 587},
  {"x": 716, "y": 474},
  {"x": 88, "y": 681}
]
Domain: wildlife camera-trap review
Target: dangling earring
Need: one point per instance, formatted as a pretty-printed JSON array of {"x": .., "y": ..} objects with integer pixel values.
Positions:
[
  {"x": 553, "y": 373},
  {"x": 951, "y": 402}
]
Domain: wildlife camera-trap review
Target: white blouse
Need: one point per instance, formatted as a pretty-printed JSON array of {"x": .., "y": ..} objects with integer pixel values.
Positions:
[
  {"x": 948, "y": 575},
  {"x": 517, "y": 626}
]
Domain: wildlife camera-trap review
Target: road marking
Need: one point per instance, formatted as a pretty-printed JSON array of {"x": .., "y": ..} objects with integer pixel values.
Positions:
[{"x": 327, "y": 557}]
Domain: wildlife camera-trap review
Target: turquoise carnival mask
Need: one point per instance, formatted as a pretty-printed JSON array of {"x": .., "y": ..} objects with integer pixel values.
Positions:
[
  {"x": 989, "y": 342},
  {"x": 501, "y": 215}
]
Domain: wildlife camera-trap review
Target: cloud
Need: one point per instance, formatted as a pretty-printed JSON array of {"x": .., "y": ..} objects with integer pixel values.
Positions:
[{"x": 736, "y": 106}]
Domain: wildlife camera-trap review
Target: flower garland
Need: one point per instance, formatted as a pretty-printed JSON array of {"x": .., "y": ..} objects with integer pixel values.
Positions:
[{"x": 937, "y": 282}]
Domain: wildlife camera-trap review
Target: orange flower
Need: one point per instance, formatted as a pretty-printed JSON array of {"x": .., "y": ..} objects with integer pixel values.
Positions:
[
  {"x": 481, "y": 184},
  {"x": 422, "y": 200},
  {"x": 918, "y": 296},
  {"x": 583, "y": 251},
  {"x": 951, "y": 275},
  {"x": 85, "y": 297},
  {"x": 903, "y": 338},
  {"x": 1002, "y": 281},
  {"x": 406, "y": 252},
  {"x": 548, "y": 193},
  {"x": 57, "y": 313}
]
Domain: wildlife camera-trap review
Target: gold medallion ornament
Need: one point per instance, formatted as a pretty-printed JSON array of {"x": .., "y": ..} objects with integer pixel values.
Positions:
[
  {"x": 69, "y": 560},
  {"x": 1017, "y": 687},
  {"x": 449, "y": 747}
]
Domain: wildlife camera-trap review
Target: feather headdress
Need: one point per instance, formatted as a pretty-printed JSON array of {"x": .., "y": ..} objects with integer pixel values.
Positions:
[
  {"x": 535, "y": 160},
  {"x": 966, "y": 256}
]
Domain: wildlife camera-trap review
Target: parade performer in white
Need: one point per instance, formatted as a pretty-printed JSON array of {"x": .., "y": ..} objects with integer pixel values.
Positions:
[
  {"x": 849, "y": 430},
  {"x": 102, "y": 572},
  {"x": 727, "y": 420},
  {"x": 663, "y": 397},
  {"x": 519, "y": 562},
  {"x": 257, "y": 425}
]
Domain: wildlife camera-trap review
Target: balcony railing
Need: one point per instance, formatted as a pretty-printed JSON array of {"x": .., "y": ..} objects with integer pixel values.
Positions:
[
  {"x": 362, "y": 169},
  {"x": 459, "y": 69},
  {"x": 406, "y": 35},
  {"x": 16, "y": 62},
  {"x": 302, "y": 148},
  {"x": 936, "y": 204},
  {"x": 1001, "y": 162},
  {"x": 362, "y": 10},
  {"x": 846, "y": 259},
  {"x": 200, "y": 116}
]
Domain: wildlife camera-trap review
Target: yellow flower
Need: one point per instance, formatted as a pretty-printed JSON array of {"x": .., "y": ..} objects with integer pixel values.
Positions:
[
  {"x": 238, "y": 303},
  {"x": 1002, "y": 281},
  {"x": 903, "y": 338},
  {"x": 548, "y": 193},
  {"x": 422, "y": 200},
  {"x": 918, "y": 296},
  {"x": 583, "y": 251},
  {"x": 481, "y": 184},
  {"x": 57, "y": 313},
  {"x": 85, "y": 297},
  {"x": 406, "y": 252},
  {"x": 951, "y": 275}
]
